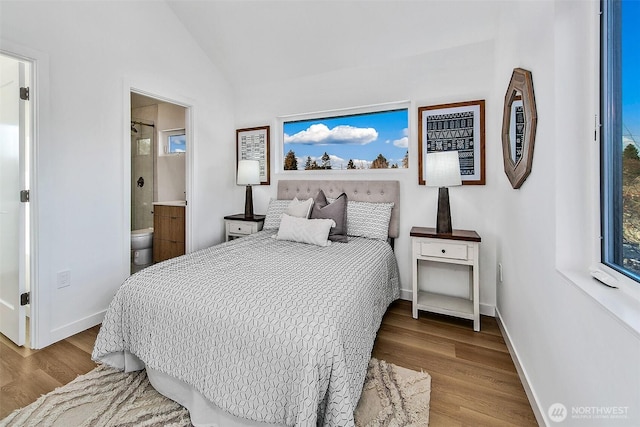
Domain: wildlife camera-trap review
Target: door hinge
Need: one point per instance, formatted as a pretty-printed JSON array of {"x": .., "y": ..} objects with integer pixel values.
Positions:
[
  {"x": 24, "y": 298},
  {"x": 24, "y": 93},
  {"x": 24, "y": 196}
]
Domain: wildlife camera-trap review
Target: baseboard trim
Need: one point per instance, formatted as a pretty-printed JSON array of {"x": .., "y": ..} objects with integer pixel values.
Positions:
[
  {"x": 485, "y": 309},
  {"x": 65, "y": 331},
  {"x": 522, "y": 373}
]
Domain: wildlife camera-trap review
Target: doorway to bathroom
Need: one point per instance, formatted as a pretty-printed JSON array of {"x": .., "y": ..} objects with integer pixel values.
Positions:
[{"x": 158, "y": 180}]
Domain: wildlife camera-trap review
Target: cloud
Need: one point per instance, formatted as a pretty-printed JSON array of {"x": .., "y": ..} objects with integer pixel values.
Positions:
[
  {"x": 335, "y": 159},
  {"x": 402, "y": 142},
  {"x": 320, "y": 134},
  {"x": 362, "y": 164}
]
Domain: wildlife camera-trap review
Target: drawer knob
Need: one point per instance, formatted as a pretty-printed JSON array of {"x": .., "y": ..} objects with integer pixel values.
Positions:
[{"x": 443, "y": 251}]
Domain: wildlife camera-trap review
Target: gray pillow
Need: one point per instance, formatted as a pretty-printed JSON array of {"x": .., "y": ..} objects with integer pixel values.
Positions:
[{"x": 336, "y": 210}]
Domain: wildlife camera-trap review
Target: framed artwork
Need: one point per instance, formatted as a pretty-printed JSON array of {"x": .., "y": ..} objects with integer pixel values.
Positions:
[
  {"x": 454, "y": 127},
  {"x": 253, "y": 144}
]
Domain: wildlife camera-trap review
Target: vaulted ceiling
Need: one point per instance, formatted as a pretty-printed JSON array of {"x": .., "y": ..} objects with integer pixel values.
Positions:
[{"x": 254, "y": 42}]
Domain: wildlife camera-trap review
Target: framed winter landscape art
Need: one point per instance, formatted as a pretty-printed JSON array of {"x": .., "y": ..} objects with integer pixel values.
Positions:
[
  {"x": 253, "y": 144},
  {"x": 454, "y": 127}
]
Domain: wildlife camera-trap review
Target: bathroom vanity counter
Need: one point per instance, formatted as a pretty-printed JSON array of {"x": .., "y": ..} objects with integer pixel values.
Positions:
[{"x": 171, "y": 203}]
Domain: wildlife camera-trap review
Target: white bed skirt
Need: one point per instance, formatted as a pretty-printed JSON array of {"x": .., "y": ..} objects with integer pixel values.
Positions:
[{"x": 203, "y": 413}]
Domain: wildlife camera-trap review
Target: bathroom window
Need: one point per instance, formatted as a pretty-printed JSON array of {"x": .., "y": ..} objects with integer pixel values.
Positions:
[{"x": 175, "y": 141}]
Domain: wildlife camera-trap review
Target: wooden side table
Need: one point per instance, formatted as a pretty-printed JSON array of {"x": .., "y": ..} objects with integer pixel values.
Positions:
[
  {"x": 238, "y": 226},
  {"x": 460, "y": 247}
]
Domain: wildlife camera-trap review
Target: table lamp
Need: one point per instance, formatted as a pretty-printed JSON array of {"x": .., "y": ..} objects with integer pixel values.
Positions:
[
  {"x": 443, "y": 171},
  {"x": 248, "y": 174}
]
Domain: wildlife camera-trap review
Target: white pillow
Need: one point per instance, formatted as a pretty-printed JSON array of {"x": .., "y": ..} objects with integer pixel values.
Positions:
[
  {"x": 302, "y": 230},
  {"x": 299, "y": 208}
]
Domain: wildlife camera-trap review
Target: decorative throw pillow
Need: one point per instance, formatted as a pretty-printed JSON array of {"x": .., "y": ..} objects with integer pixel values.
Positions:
[
  {"x": 368, "y": 219},
  {"x": 299, "y": 208},
  {"x": 274, "y": 213},
  {"x": 303, "y": 230},
  {"x": 336, "y": 210}
]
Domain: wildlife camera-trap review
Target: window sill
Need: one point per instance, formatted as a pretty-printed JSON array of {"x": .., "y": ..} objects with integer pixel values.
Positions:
[{"x": 622, "y": 303}]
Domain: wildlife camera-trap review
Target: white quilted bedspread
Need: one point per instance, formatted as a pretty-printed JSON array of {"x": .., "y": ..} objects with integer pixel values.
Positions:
[{"x": 268, "y": 330}]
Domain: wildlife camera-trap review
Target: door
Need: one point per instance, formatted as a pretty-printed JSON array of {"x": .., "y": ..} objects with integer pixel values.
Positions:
[{"x": 12, "y": 212}]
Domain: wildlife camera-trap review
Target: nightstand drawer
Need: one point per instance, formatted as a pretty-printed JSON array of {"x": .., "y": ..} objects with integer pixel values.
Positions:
[
  {"x": 444, "y": 250},
  {"x": 241, "y": 227}
]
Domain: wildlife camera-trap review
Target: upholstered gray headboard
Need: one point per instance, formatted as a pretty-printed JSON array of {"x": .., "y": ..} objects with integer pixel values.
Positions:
[{"x": 360, "y": 191}]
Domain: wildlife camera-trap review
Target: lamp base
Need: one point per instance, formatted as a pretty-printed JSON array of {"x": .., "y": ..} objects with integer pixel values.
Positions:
[
  {"x": 248, "y": 203},
  {"x": 443, "y": 224}
]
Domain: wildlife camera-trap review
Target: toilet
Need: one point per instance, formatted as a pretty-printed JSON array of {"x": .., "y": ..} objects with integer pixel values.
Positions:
[{"x": 141, "y": 246}]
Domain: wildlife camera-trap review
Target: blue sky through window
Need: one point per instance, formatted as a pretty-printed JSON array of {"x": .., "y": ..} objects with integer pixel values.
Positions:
[
  {"x": 177, "y": 143},
  {"x": 630, "y": 213},
  {"x": 357, "y": 137},
  {"x": 631, "y": 72}
]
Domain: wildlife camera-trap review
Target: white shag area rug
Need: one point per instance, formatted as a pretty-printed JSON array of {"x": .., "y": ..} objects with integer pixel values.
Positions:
[{"x": 392, "y": 396}]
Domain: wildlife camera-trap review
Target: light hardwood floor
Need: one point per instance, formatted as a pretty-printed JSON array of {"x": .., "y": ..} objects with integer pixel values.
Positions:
[{"x": 474, "y": 381}]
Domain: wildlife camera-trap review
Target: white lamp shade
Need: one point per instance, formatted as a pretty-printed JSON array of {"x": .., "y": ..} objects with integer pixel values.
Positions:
[
  {"x": 443, "y": 169},
  {"x": 248, "y": 172}
]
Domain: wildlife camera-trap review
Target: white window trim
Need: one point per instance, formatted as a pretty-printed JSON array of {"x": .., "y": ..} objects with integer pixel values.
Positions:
[
  {"x": 279, "y": 149},
  {"x": 164, "y": 141}
]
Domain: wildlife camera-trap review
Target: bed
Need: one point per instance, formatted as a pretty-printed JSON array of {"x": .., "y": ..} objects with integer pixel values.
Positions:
[{"x": 260, "y": 331}]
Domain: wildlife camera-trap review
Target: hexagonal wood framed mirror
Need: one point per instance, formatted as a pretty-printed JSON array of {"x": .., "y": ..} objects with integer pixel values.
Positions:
[{"x": 519, "y": 127}]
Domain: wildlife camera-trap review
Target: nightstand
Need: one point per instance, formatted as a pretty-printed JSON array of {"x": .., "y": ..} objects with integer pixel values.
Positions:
[
  {"x": 460, "y": 247},
  {"x": 239, "y": 226}
]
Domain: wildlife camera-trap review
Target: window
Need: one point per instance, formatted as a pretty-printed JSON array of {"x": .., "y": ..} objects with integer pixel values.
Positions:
[
  {"x": 175, "y": 141},
  {"x": 355, "y": 139},
  {"x": 620, "y": 161}
]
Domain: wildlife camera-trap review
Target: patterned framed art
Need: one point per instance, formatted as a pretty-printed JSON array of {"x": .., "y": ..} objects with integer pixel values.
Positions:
[
  {"x": 454, "y": 127},
  {"x": 253, "y": 144}
]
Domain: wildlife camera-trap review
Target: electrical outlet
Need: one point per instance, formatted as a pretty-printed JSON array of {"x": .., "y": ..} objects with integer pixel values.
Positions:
[
  {"x": 500, "y": 271},
  {"x": 64, "y": 279}
]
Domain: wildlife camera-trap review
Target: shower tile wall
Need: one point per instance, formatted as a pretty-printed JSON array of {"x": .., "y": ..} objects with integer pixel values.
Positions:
[{"x": 142, "y": 166}]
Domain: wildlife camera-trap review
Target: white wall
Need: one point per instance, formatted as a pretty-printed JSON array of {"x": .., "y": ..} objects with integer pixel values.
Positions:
[{"x": 96, "y": 52}]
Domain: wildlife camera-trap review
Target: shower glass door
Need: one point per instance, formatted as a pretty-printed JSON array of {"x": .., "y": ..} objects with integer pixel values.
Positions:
[{"x": 142, "y": 174}]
